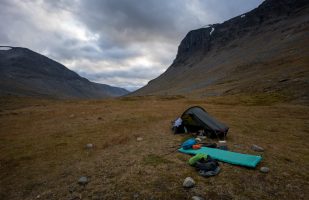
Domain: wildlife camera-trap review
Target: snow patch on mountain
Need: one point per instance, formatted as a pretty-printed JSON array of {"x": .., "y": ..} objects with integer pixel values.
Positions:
[{"x": 212, "y": 30}]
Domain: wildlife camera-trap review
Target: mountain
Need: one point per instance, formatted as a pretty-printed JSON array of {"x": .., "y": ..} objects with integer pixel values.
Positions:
[
  {"x": 27, "y": 73},
  {"x": 264, "y": 50}
]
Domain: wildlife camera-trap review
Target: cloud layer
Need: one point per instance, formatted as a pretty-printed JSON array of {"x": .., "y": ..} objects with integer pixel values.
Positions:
[{"x": 123, "y": 43}]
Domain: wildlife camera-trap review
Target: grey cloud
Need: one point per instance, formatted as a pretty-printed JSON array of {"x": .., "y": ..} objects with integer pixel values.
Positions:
[
  {"x": 124, "y": 21},
  {"x": 125, "y": 30}
]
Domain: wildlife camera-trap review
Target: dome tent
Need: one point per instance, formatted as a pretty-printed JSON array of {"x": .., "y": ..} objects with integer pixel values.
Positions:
[{"x": 196, "y": 118}]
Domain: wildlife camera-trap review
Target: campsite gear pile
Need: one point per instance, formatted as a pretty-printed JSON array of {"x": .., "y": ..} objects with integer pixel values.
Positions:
[
  {"x": 199, "y": 123},
  {"x": 197, "y": 120},
  {"x": 205, "y": 165}
]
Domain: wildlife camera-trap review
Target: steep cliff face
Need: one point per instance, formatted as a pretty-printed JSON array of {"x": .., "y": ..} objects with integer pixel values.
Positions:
[
  {"x": 219, "y": 35},
  {"x": 252, "y": 52},
  {"x": 24, "y": 72}
]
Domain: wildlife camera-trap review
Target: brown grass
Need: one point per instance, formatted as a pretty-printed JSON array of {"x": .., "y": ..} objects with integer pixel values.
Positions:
[{"x": 43, "y": 149}]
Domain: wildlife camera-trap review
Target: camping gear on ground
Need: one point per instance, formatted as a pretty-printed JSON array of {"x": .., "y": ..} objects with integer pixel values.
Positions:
[
  {"x": 196, "y": 146},
  {"x": 223, "y": 148},
  {"x": 197, "y": 157},
  {"x": 177, "y": 126},
  {"x": 196, "y": 119},
  {"x": 210, "y": 145},
  {"x": 226, "y": 156},
  {"x": 210, "y": 173},
  {"x": 206, "y": 165},
  {"x": 188, "y": 143},
  {"x": 222, "y": 145},
  {"x": 178, "y": 122}
]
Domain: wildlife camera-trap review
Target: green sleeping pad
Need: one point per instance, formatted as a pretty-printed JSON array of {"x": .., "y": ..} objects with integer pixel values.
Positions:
[{"x": 226, "y": 156}]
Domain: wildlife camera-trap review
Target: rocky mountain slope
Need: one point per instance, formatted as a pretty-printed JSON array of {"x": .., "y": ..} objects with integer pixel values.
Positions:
[
  {"x": 264, "y": 50},
  {"x": 27, "y": 73}
]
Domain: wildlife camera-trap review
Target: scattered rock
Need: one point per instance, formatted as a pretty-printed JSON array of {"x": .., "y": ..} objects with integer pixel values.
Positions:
[
  {"x": 139, "y": 139},
  {"x": 89, "y": 146},
  {"x": 71, "y": 116},
  {"x": 264, "y": 169},
  {"x": 136, "y": 196},
  {"x": 257, "y": 148},
  {"x": 188, "y": 182},
  {"x": 197, "y": 198},
  {"x": 83, "y": 180},
  {"x": 99, "y": 118}
]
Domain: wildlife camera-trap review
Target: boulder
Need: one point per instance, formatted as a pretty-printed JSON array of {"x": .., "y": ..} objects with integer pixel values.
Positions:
[{"x": 188, "y": 183}]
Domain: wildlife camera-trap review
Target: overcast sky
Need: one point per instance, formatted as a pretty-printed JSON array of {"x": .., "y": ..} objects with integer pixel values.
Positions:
[{"x": 122, "y": 43}]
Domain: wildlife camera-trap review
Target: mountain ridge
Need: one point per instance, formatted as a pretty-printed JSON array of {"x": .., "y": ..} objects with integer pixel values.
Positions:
[
  {"x": 250, "y": 53},
  {"x": 27, "y": 73}
]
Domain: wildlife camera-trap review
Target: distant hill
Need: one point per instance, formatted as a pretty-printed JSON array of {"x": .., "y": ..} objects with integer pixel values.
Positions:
[
  {"x": 263, "y": 51},
  {"x": 27, "y": 73}
]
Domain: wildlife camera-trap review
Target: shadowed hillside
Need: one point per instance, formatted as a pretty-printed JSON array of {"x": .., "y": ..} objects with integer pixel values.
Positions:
[
  {"x": 24, "y": 72},
  {"x": 262, "y": 51}
]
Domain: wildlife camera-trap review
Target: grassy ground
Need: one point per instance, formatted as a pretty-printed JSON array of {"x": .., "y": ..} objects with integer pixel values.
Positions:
[{"x": 43, "y": 149}]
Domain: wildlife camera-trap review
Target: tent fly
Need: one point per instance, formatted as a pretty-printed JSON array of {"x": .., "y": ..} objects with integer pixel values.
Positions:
[{"x": 196, "y": 119}]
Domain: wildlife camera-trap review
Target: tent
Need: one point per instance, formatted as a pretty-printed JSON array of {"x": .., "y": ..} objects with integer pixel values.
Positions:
[{"x": 196, "y": 118}]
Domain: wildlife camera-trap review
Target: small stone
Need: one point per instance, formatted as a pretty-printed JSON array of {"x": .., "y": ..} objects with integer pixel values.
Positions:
[
  {"x": 139, "y": 139},
  {"x": 99, "y": 118},
  {"x": 89, "y": 146},
  {"x": 71, "y": 116},
  {"x": 197, "y": 198},
  {"x": 83, "y": 180},
  {"x": 188, "y": 182},
  {"x": 264, "y": 169},
  {"x": 257, "y": 148},
  {"x": 136, "y": 196}
]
